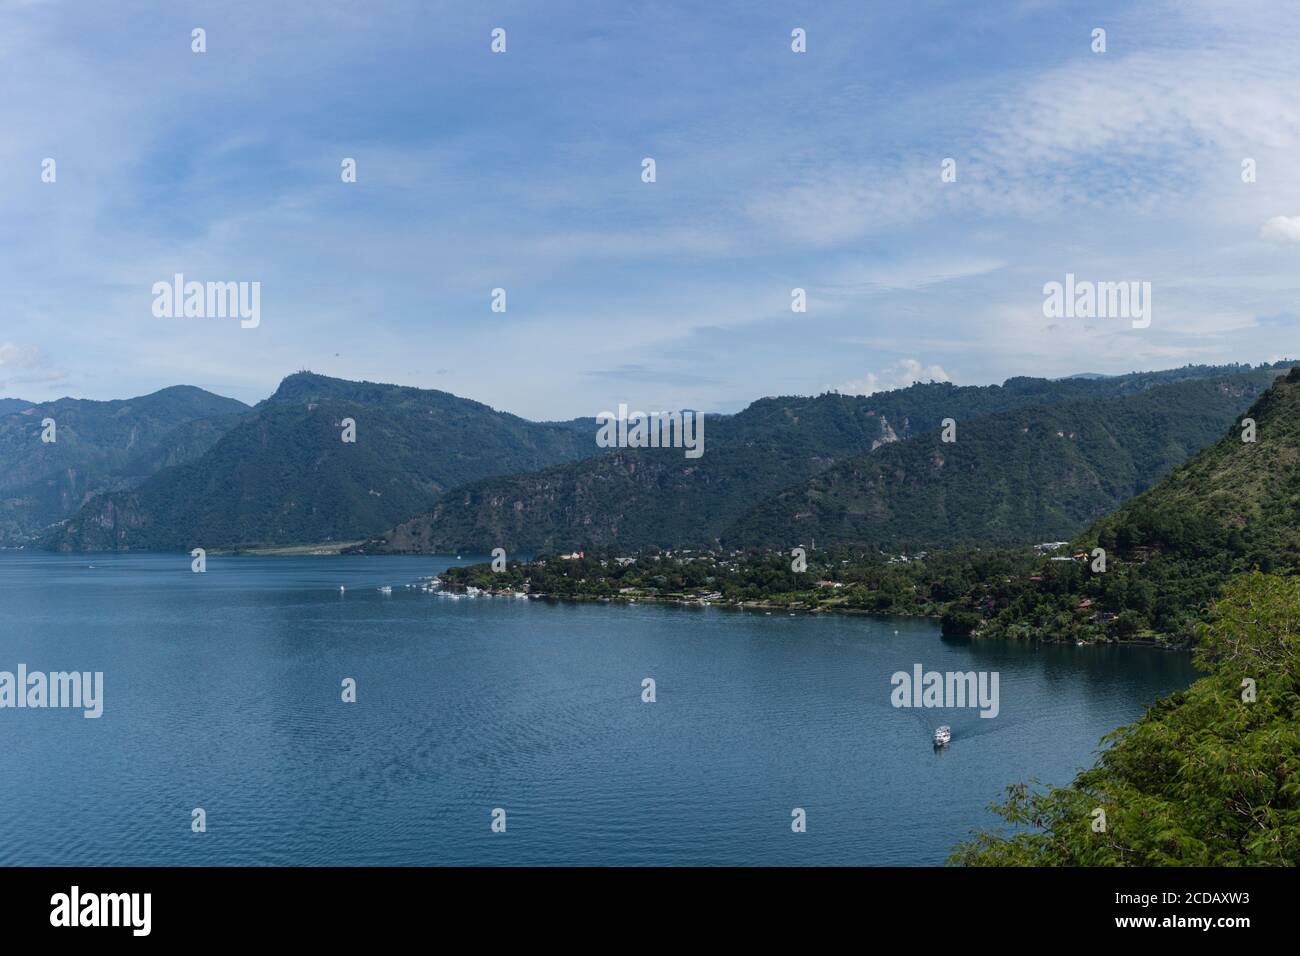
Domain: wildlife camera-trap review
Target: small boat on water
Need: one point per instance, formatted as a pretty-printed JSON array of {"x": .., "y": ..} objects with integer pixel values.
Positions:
[
  {"x": 942, "y": 736},
  {"x": 386, "y": 589}
]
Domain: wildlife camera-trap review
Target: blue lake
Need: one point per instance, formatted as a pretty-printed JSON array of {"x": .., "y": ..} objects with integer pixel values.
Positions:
[{"x": 223, "y": 691}]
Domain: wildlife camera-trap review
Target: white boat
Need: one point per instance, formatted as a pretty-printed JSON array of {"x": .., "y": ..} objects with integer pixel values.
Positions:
[
  {"x": 386, "y": 589},
  {"x": 942, "y": 736}
]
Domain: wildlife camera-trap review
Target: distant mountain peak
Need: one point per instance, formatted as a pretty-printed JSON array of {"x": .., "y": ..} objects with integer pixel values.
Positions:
[{"x": 308, "y": 386}]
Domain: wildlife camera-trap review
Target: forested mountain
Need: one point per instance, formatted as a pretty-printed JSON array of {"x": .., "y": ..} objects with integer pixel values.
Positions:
[
  {"x": 1233, "y": 508},
  {"x": 638, "y": 495},
  {"x": 10, "y": 405},
  {"x": 284, "y": 475},
  {"x": 222, "y": 476},
  {"x": 656, "y": 497},
  {"x": 1034, "y": 474},
  {"x": 97, "y": 446}
]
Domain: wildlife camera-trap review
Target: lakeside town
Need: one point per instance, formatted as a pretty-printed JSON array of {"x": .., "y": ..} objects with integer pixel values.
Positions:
[{"x": 918, "y": 584}]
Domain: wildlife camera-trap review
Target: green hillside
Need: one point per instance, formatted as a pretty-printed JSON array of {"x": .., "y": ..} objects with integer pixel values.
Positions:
[
  {"x": 1208, "y": 777},
  {"x": 99, "y": 446},
  {"x": 283, "y": 474},
  {"x": 1033, "y": 474},
  {"x": 1233, "y": 508},
  {"x": 636, "y": 498}
]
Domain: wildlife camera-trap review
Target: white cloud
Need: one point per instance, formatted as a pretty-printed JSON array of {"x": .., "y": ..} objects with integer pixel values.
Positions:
[
  {"x": 1281, "y": 229},
  {"x": 901, "y": 374},
  {"x": 18, "y": 356},
  {"x": 24, "y": 365}
]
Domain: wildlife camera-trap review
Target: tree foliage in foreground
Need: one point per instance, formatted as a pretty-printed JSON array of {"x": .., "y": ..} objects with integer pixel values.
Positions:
[{"x": 1204, "y": 778}]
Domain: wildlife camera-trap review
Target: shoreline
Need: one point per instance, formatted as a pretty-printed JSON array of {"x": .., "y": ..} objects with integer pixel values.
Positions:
[
  {"x": 343, "y": 549},
  {"x": 327, "y": 549},
  {"x": 769, "y": 608}
]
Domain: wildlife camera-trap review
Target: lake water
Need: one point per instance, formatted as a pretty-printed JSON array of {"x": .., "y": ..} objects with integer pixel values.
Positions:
[{"x": 223, "y": 691}]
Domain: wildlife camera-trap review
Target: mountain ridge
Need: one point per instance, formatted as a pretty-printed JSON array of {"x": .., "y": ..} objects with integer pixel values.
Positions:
[
  {"x": 654, "y": 498},
  {"x": 1231, "y": 509},
  {"x": 1031, "y": 474},
  {"x": 278, "y": 474},
  {"x": 283, "y": 474},
  {"x": 98, "y": 446}
]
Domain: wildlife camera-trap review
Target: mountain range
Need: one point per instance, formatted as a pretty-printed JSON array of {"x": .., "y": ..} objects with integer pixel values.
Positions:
[
  {"x": 283, "y": 474},
  {"x": 429, "y": 471},
  {"x": 1033, "y": 458},
  {"x": 97, "y": 447},
  {"x": 1033, "y": 474}
]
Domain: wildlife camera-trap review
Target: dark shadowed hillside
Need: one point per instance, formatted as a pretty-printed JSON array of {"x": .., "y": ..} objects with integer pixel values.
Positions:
[
  {"x": 284, "y": 475},
  {"x": 657, "y": 497},
  {"x": 1033, "y": 474},
  {"x": 98, "y": 446}
]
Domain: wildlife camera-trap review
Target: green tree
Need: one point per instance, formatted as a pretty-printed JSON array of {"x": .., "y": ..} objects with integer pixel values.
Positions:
[{"x": 1207, "y": 777}]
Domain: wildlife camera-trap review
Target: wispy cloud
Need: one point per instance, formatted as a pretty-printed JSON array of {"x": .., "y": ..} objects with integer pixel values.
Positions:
[
  {"x": 24, "y": 365},
  {"x": 776, "y": 170}
]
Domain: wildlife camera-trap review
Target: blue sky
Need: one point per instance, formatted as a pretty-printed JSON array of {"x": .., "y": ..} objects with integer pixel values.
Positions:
[{"x": 775, "y": 170}]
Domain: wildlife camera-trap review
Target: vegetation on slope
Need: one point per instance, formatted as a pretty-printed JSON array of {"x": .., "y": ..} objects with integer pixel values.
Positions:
[
  {"x": 634, "y": 498},
  {"x": 1207, "y": 777},
  {"x": 99, "y": 446},
  {"x": 284, "y": 475},
  {"x": 1233, "y": 508},
  {"x": 1033, "y": 474}
]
